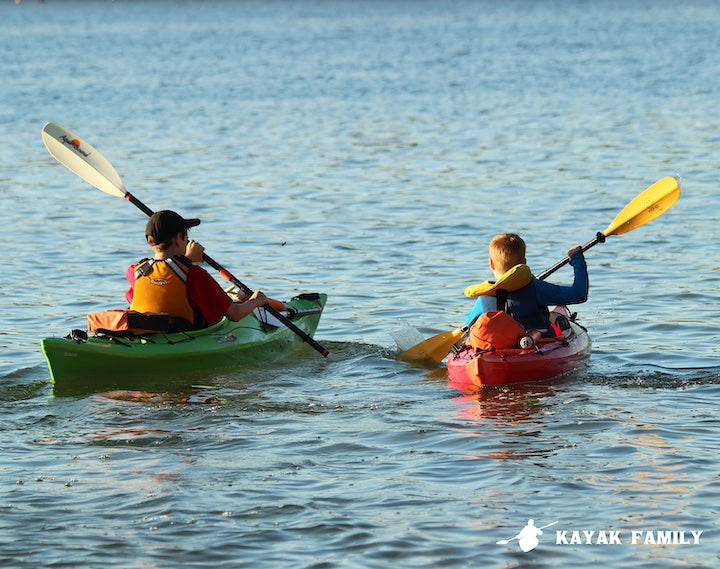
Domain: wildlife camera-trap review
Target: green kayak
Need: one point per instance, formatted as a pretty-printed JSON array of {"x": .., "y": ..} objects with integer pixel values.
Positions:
[{"x": 85, "y": 364}]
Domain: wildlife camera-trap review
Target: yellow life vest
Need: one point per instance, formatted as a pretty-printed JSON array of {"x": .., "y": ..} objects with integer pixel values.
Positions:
[
  {"x": 514, "y": 279},
  {"x": 160, "y": 286}
]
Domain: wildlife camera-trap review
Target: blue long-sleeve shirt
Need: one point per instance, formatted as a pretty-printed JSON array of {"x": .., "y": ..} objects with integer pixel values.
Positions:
[{"x": 545, "y": 293}]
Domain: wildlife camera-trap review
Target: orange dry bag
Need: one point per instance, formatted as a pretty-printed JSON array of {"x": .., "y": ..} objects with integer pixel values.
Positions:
[{"x": 495, "y": 329}]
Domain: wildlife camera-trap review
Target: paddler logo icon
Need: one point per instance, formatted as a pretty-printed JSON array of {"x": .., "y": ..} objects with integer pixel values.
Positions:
[{"x": 528, "y": 536}]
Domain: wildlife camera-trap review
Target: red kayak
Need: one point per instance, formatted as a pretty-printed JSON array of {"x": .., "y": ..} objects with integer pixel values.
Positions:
[{"x": 548, "y": 358}]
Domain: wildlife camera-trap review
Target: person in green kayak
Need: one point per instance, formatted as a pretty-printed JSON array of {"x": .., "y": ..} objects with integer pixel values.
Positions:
[
  {"x": 528, "y": 298},
  {"x": 171, "y": 282}
]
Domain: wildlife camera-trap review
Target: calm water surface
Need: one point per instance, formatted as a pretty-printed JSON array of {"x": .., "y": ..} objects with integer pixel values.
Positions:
[{"x": 369, "y": 150}]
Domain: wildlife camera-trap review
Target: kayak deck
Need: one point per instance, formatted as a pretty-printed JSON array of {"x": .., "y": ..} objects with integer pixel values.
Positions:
[
  {"x": 548, "y": 359},
  {"x": 103, "y": 362}
]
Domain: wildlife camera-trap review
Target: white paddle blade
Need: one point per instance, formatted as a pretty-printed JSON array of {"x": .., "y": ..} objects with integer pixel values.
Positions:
[{"x": 82, "y": 159}]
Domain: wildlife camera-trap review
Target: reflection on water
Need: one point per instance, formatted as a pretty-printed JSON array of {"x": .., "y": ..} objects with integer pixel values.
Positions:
[{"x": 508, "y": 406}]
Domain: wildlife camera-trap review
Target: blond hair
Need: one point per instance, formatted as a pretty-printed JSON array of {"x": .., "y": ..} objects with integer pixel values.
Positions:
[{"x": 506, "y": 251}]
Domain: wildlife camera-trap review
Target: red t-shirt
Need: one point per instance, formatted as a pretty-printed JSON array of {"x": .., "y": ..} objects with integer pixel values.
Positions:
[{"x": 203, "y": 291}]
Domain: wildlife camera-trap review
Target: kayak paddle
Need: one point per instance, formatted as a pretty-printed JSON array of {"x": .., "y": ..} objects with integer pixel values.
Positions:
[
  {"x": 88, "y": 163},
  {"x": 646, "y": 206}
]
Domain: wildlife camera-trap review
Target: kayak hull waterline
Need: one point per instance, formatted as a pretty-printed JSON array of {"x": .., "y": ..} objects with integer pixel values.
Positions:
[
  {"x": 548, "y": 359},
  {"x": 103, "y": 362}
]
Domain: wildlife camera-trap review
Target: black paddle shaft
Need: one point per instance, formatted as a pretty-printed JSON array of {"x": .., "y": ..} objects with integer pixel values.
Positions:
[{"x": 599, "y": 238}]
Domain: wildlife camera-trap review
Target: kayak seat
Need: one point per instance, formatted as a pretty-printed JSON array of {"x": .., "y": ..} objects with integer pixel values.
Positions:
[{"x": 130, "y": 322}]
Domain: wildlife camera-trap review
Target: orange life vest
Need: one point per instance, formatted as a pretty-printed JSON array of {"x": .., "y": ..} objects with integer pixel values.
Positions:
[{"x": 160, "y": 286}]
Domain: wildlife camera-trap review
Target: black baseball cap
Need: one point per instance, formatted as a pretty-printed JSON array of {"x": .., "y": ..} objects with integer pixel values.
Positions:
[{"x": 165, "y": 224}]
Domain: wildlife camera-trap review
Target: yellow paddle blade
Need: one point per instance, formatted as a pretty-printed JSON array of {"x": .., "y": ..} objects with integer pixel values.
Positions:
[
  {"x": 434, "y": 349},
  {"x": 648, "y": 205}
]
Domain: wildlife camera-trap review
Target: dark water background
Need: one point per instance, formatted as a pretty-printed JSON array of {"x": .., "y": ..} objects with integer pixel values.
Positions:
[{"x": 368, "y": 150}]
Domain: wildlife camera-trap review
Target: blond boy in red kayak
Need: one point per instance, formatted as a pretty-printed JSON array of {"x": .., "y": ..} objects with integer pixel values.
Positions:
[{"x": 529, "y": 303}]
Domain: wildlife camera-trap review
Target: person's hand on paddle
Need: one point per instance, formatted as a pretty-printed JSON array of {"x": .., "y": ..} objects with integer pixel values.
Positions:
[
  {"x": 574, "y": 250},
  {"x": 194, "y": 251},
  {"x": 258, "y": 298},
  {"x": 239, "y": 310}
]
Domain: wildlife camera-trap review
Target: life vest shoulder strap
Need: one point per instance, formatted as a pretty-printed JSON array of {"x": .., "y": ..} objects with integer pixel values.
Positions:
[
  {"x": 514, "y": 279},
  {"x": 178, "y": 268},
  {"x": 145, "y": 267}
]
